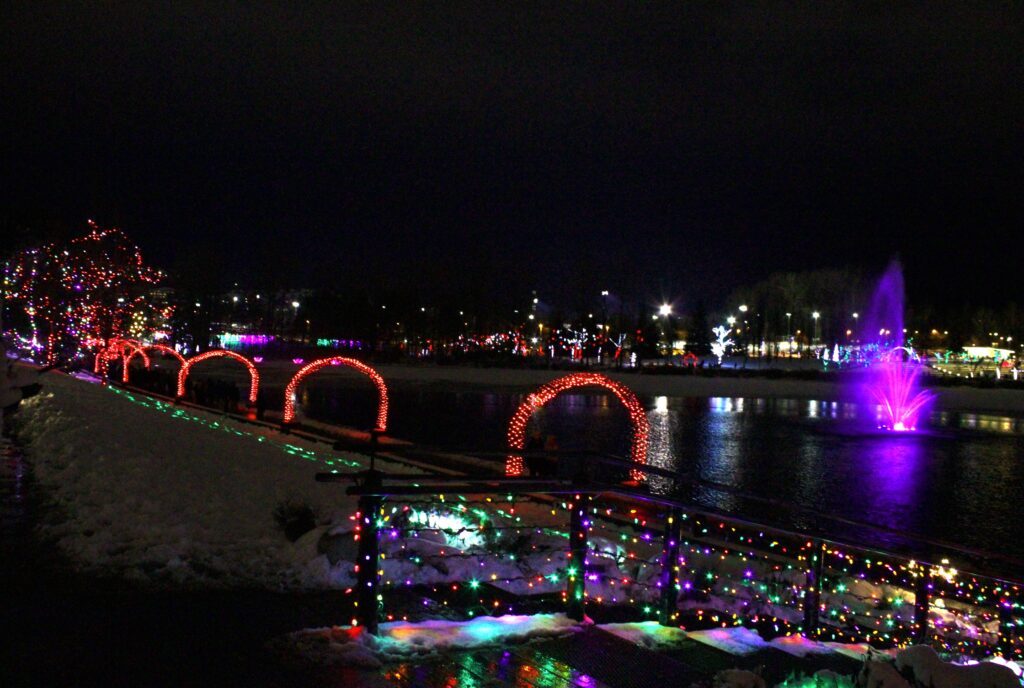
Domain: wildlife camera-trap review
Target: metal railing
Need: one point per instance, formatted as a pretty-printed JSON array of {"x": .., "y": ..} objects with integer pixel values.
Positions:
[{"x": 793, "y": 581}]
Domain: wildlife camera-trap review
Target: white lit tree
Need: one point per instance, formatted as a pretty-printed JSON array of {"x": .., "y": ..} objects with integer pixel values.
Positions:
[{"x": 721, "y": 346}]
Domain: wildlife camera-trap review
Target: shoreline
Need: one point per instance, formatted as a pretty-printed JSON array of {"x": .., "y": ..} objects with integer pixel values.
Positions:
[
  {"x": 275, "y": 374},
  {"x": 525, "y": 381}
]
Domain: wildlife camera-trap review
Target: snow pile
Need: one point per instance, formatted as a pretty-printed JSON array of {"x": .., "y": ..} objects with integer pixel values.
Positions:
[
  {"x": 737, "y": 640},
  {"x": 152, "y": 496},
  {"x": 740, "y": 640},
  {"x": 929, "y": 670},
  {"x": 158, "y": 493},
  {"x": 649, "y": 634},
  {"x": 799, "y": 646},
  {"x": 401, "y": 640},
  {"x": 880, "y": 674},
  {"x": 855, "y": 650}
]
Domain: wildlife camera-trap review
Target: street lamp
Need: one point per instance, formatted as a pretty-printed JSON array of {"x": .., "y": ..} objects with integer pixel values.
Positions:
[
  {"x": 789, "y": 334},
  {"x": 665, "y": 309},
  {"x": 731, "y": 320},
  {"x": 817, "y": 335},
  {"x": 743, "y": 308}
]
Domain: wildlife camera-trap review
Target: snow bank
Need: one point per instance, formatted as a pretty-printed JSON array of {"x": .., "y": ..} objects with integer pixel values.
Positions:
[
  {"x": 400, "y": 639},
  {"x": 151, "y": 491},
  {"x": 649, "y": 634},
  {"x": 737, "y": 640},
  {"x": 929, "y": 670},
  {"x": 740, "y": 640},
  {"x": 158, "y": 493}
]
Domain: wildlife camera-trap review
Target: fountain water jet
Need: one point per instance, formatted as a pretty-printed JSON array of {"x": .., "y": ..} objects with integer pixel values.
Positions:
[
  {"x": 892, "y": 381},
  {"x": 895, "y": 387}
]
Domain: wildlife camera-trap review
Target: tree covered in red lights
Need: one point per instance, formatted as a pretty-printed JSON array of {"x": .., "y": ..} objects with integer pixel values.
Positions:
[{"x": 66, "y": 297}]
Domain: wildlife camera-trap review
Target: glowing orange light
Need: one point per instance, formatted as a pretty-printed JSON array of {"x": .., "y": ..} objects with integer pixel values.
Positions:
[
  {"x": 293, "y": 384},
  {"x": 254, "y": 385},
  {"x": 547, "y": 392}
]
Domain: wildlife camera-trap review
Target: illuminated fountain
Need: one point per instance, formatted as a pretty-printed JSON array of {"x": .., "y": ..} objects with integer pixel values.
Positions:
[
  {"x": 892, "y": 379},
  {"x": 895, "y": 388}
]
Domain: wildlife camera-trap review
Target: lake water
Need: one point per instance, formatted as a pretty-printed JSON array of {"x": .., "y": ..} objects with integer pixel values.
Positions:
[{"x": 960, "y": 481}]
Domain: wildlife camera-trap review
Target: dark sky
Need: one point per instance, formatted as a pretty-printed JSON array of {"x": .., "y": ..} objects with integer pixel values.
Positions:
[{"x": 678, "y": 149}]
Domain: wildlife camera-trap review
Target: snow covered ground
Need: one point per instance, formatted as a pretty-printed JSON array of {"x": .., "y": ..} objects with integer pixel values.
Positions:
[
  {"x": 151, "y": 491},
  {"x": 399, "y": 639},
  {"x": 164, "y": 494}
]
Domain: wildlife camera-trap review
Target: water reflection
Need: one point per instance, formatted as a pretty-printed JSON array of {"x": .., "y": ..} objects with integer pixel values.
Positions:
[
  {"x": 895, "y": 472},
  {"x": 660, "y": 451},
  {"x": 959, "y": 482}
]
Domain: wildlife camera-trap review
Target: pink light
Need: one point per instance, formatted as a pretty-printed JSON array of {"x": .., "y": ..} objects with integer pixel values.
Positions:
[{"x": 896, "y": 389}]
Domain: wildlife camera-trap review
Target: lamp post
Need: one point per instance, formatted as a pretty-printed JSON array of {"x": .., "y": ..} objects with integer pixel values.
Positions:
[
  {"x": 745, "y": 340},
  {"x": 665, "y": 311},
  {"x": 789, "y": 334},
  {"x": 817, "y": 335}
]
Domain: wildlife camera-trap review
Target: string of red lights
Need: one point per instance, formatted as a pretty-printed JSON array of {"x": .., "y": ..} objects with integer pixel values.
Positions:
[
  {"x": 309, "y": 368},
  {"x": 547, "y": 392}
]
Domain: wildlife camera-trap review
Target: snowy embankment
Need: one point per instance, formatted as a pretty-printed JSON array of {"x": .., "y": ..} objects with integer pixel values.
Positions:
[{"x": 150, "y": 491}]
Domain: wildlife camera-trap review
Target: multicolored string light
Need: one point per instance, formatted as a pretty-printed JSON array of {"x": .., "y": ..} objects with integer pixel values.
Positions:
[
  {"x": 727, "y": 573},
  {"x": 88, "y": 289}
]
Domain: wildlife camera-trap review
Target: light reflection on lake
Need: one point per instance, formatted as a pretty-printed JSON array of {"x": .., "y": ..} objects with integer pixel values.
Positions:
[{"x": 961, "y": 480}]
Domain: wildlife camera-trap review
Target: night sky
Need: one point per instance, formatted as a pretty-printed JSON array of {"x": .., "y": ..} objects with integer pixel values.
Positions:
[{"x": 673, "y": 150}]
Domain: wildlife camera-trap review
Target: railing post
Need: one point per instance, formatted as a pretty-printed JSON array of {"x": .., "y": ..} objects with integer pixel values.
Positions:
[
  {"x": 812, "y": 591},
  {"x": 670, "y": 567},
  {"x": 1006, "y": 625},
  {"x": 576, "y": 569},
  {"x": 922, "y": 602},
  {"x": 367, "y": 578}
]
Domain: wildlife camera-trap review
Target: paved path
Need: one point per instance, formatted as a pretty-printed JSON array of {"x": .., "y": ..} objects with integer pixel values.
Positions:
[{"x": 593, "y": 659}]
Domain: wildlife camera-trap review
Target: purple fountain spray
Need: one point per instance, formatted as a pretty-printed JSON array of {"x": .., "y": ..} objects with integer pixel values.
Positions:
[{"x": 892, "y": 379}]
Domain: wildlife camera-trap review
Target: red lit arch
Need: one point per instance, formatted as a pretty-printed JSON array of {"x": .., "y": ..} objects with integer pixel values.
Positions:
[
  {"x": 116, "y": 348},
  {"x": 254, "y": 375},
  {"x": 128, "y": 345},
  {"x": 141, "y": 351},
  {"x": 293, "y": 384},
  {"x": 547, "y": 392}
]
